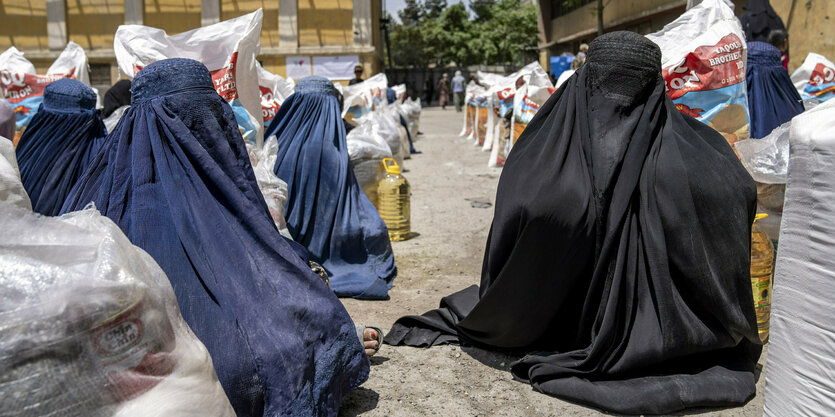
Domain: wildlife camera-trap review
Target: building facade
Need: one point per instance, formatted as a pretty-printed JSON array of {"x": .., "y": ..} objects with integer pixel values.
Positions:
[{"x": 41, "y": 28}]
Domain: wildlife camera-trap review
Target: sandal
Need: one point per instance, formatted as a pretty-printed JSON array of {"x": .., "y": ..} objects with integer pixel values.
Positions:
[{"x": 360, "y": 333}]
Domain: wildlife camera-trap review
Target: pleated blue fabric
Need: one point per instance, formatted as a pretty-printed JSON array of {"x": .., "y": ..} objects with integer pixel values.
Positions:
[
  {"x": 59, "y": 143},
  {"x": 772, "y": 98},
  {"x": 175, "y": 176},
  {"x": 327, "y": 211}
]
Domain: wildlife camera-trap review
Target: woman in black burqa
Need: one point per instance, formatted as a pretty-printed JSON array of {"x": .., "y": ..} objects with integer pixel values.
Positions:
[{"x": 618, "y": 258}]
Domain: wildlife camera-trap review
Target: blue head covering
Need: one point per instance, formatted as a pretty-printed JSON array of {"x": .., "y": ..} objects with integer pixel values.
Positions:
[
  {"x": 327, "y": 211},
  {"x": 772, "y": 98},
  {"x": 175, "y": 176},
  {"x": 59, "y": 143}
]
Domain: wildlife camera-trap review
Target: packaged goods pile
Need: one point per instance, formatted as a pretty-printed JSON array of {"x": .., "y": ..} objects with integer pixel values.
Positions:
[
  {"x": 815, "y": 79},
  {"x": 23, "y": 88},
  {"x": 91, "y": 326}
]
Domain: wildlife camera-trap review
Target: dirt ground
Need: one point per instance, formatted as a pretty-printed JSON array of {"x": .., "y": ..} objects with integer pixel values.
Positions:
[{"x": 447, "y": 178}]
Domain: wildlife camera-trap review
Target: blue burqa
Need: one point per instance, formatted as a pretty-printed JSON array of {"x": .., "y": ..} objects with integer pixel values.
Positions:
[
  {"x": 327, "y": 211},
  {"x": 772, "y": 98},
  {"x": 175, "y": 176},
  {"x": 391, "y": 97},
  {"x": 59, "y": 143}
]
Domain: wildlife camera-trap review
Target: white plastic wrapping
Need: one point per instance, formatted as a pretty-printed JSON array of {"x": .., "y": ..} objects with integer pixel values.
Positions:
[
  {"x": 23, "y": 88},
  {"x": 361, "y": 98},
  {"x": 384, "y": 126},
  {"x": 529, "y": 98},
  {"x": 89, "y": 325},
  {"x": 366, "y": 150},
  {"x": 111, "y": 121},
  {"x": 412, "y": 109},
  {"x": 274, "y": 90},
  {"x": 800, "y": 379},
  {"x": 767, "y": 160},
  {"x": 11, "y": 187},
  {"x": 228, "y": 49},
  {"x": 272, "y": 188},
  {"x": 815, "y": 79},
  {"x": 703, "y": 64},
  {"x": 469, "y": 109}
]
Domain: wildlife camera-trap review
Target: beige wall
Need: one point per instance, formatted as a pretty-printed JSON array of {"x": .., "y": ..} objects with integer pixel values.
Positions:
[
  {"x": 23, "y": 24},
  {"x": 811, "y": 27},
  {"x": 173, "y": 16},
  {"x": 615, "y": 13},
  {"x": 325, "y": 22}
]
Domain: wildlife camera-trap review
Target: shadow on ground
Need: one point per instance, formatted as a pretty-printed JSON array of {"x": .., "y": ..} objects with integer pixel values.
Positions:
[{"x": 359, "y": 401}]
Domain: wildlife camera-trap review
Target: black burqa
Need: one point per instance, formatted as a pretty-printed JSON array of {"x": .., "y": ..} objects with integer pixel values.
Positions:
[
  {"x": 759, "y": 20},
  {"x": 618, "y": 258}
]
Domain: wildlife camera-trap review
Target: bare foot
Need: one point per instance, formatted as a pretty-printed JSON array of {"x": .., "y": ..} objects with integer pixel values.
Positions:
[{"x": 369, "y": 341}]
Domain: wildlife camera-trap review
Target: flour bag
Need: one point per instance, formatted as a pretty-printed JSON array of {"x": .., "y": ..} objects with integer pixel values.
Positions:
[
  {"x": 527, "y": 100},
  {"x": 228, "y": 49},
  {"x": 23, "y": 88},
  {"x": 815, "y": 79},
  {"x": 703, "y": 65}
]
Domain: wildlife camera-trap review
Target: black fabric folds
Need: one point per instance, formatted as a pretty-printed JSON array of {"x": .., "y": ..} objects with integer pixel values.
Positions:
[
  {"x": 618, "y": 258},
  {"x": 117, "y": 96},
  {"x": 759, "y": 20}
]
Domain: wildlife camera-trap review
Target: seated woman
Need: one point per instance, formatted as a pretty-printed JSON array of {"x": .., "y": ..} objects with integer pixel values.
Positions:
[
  {"x": 327, "y": 211},
  {"x": 176, "y": 178},
  {"x": 59, "y": 143},
  {"x": 618, "y": 259},
  {"x": 772, "y": 98}
]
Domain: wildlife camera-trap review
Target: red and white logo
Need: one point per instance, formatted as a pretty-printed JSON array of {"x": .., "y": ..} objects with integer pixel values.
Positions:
[{"x": 707, "y": 68}]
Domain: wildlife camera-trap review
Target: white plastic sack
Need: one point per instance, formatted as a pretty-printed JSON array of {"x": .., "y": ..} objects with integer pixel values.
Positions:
[
  {"x": 384, "y": 126},
  {"x": 11, "y": 187},
  {"x": 274, "y": 90},
  {"x": 469, "y": 102},
  {"x": 91, "y": 327},
  {"x": 815, "y": 79},
  {"x": 703, "y": 65},
  {"x": 23, "y": 88},
  {"x": 272, "y": 188},
  {"x": 529, "y": 97},
  {"x": 412, "y": 109},
  {"x": 503, "y": 94},
  {"x": 366, "y": 150},
  {"x": 111, "y": 121},
  {"x": 363, "y": 97},
  {"x": 228, "y": 49},
  {"x": 800, "y": 379}
]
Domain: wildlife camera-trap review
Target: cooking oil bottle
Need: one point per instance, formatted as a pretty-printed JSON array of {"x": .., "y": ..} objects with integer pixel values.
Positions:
[
  {"x": 393, "y": 193},
  {"x": 762, "y": 269}
]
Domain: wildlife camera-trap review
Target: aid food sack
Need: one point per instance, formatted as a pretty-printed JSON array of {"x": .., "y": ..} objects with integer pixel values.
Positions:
[
  {"x": 703, "y": 64},
  {"x": 228, "y": 49},
  {"x": 23, "y": 88},
  {"x": 274, "y": 90},
  {"x": 529, "y": 97},
  {"x": 815, "y": 79}
]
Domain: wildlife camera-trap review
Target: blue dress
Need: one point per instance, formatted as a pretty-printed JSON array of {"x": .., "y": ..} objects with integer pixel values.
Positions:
[
  {"x": 59, "y": 143},
  {"x": 327, "y": 211},
  {"x": 772, "y": 98},
  {"x": 175, "y": 176}
]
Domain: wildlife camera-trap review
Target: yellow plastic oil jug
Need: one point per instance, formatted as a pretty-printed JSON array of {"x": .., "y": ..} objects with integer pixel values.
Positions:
[
  {"x": 762, "y": 270},
  {"x": 393, "y": 193}
]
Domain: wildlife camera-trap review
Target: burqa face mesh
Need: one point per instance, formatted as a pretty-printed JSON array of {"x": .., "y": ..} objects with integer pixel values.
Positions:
[
  {"x": 59, "y": 143},
  {"x": 618, "y": 258},
  {"x": 175, "y": 176},
  {"x": 772, "y": 98},
  {"x": 327, "y": 211}
]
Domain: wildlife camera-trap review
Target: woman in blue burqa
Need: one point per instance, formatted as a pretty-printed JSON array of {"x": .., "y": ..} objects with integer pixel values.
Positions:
[
  {"x": 175, "y": 176},
  {"x": 327, "y": 211},
  {"x": 772, "y": 98},
  {"x": 59, "y": 143}
]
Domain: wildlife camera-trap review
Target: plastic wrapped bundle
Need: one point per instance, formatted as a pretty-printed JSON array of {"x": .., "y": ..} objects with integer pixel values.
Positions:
[
  {"x": 89, "y": 326},
  {"x": 772, "y": 98},
  {"x": 272, "y": 188},
  {"x": 176, "y": 177},
  {"x": 61, "y": 140},
  {"x": 366, "y": 150},
  {"x": 800, "y": 380},
  {"x": 327, "y": 212},
  {"x": 11, "y": 189}
]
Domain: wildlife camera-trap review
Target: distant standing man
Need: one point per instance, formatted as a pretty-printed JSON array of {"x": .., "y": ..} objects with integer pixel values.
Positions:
[
  {"x": 357, "y": 75},
  {"x": 443, "y": 90},
  {"x": 458, "y": 90}
]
